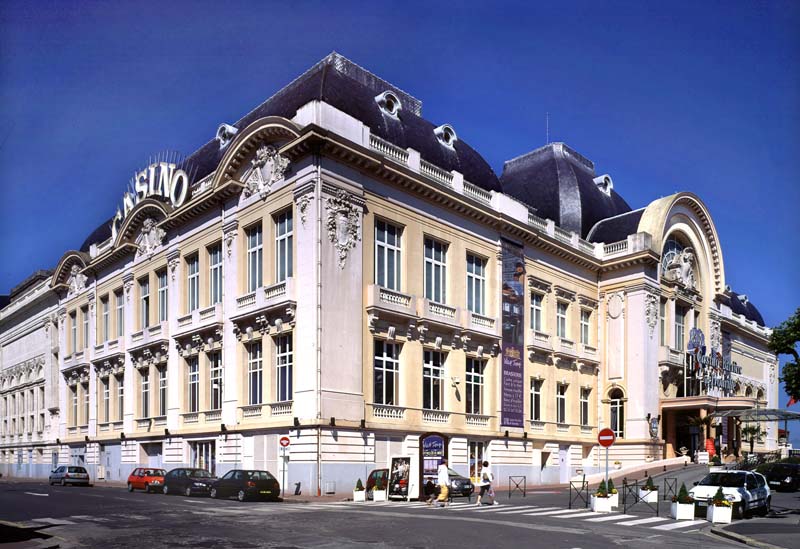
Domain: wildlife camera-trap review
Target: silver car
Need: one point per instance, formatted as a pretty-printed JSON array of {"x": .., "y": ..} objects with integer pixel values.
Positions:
[{"x": 69, "y": 474}]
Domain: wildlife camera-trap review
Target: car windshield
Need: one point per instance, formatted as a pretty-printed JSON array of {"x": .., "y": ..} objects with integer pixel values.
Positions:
[
  {"x": 452, "y": 473},
  {"x": 783, "y": 469},
  {"x": 77, "y": 470},
  {"x": 259, "y": 475},
  {"x": 199, "y": 473},
  {"x": 726, "y": 480},
  {"x": 154, "y": 473}
]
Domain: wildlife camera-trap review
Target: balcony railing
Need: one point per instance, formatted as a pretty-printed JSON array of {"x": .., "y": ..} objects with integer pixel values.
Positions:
[
  {"x": 212, "y": 415},
  {"x": 152, "y": 334},
  {"x": 143, "y": 423},
  {"x": 540, "y": 340},
  {"x": 388, "y": 149},
  {"x": 200, "y": 319},
  {"x": 251, "y": 411},
  {"x": 537, "y": 425},
  {"x": 269, "y": 297},
  {"x": 435, "y": 416},
  {"x": 160, "y": 421},
  {"x": 103, "y": 427},
  {"x": 439, "y": 312},
  {"x": 191, "y": 417},
  {"x": 435, "y": 172},
  {"x": 480, "y": 323},
  {"x": 281, "y": 408},
  {"x": 479, "y": 194},
  {"x": 477, "y": 420},
  {"x": 385, "y": 411}
]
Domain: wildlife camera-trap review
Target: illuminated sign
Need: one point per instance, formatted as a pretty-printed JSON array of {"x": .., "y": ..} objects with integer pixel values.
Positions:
[
  {"x": 162, "y": 179},
  {"x": 712, "y": 370}
]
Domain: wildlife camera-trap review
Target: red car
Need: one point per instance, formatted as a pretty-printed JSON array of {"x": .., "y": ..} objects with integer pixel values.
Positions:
[{"x": 144, "y": 478}]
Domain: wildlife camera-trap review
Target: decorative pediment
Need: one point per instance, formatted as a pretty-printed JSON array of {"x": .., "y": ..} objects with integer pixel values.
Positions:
[
  {"x": 539, "y": 284},
  {"x": 268, "y": 166},
  {"x": 564, "y": 293},
  {"x": 71, "y": 273},
  {"x": 150, "y": 238},
  {"x": 74, "y": 376},
  {"x": 588, "y": 302},
  {"x": 141, "y": 228}
]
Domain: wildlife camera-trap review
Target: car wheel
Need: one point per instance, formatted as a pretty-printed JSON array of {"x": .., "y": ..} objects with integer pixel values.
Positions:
[
  {"x": 165, "y": 490},
  {"x": 764, "y": 511},
  {"x": 213, "y": 493},
  {"x": 241, "y": 496},
  {"x": 146, "y": 488},
  {"x": 130, "y": 487},
  {"x": 63, "y": 482},
  {"x": 738, "y": 511},
  {"x": 188, "y": 492}
]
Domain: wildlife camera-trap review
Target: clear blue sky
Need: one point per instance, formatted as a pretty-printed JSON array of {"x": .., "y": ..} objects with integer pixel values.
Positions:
[{"x": 698, "y": 96}]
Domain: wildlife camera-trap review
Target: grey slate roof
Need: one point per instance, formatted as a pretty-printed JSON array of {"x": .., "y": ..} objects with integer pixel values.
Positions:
[
  {"x": 614, "y": 229},
  {"x": 559, "y": 183},
  {"x": 749, "y": 310}
]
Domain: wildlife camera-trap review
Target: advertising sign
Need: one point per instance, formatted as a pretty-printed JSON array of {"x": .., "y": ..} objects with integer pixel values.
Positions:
[
  {"x": 432, "y": 452},
  {"x": 513, "y": 345},
  {"x": 399, "y": 477},
  {"x": 709, "y": 368}
]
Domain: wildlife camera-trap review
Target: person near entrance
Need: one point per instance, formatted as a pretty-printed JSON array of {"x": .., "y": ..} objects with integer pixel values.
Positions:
[
  {"x": 486, "y": 479},
  {"x": 443, "y": 478}
]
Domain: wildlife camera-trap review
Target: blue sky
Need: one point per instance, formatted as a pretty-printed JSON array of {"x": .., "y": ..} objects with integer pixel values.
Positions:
[{"x": 691, "y": 96}]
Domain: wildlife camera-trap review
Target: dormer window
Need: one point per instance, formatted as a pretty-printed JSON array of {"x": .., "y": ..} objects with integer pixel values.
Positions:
[
  {"x": 389, "y": 103},
  {"x": 225, "y": 134},
  {"x": 446, "y": 135},
  {"x": 743, "y": 298},
  {"x": 604, "y": 183}
]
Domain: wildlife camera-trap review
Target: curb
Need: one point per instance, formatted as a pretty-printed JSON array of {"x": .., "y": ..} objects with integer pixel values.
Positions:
[{"x": 721, "y": 532}]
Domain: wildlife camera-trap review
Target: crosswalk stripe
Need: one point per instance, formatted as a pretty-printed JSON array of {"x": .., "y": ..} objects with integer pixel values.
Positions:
[
  {"x": 552, "y": 512},
  {"x": 517, "y": 511},
  {"x": 647, "y": 520},
  {"x": 612, "y": 516},
  {"x": 497, "y": 508},
  {"x": 679, "y": 524},
  {"x": 578, "y": 515}
]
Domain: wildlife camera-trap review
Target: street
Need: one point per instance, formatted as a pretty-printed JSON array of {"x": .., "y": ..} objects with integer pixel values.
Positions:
[{"x": 112, "y": 517}]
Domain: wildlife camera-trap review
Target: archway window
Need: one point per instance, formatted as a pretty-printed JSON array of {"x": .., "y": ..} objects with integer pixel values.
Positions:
[
  {"x": 760, "y": 394},
  {"x": 748, "y": 392},
  {"x": 617, "y": 412},
  {"x": 672, "y": 248}
]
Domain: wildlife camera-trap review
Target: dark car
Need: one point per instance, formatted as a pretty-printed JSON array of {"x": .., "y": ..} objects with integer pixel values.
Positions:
[
  {"x": 188, "y": 481},
  {"x": 69, "y": 474},
  {"x": 460, "y": 486},
  {"x": 782, "y": 476},
  {"x": 377, "y": 476},
  {"x": 246, "y": 485}
]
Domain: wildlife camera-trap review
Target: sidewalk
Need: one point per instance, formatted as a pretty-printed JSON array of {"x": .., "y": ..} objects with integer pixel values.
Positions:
[{"x": 782, "y": 531}]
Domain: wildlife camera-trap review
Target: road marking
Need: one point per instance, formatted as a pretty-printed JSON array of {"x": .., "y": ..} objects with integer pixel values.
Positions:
[
  {"x": 610, "y": 517},
  {"x": 562, "y": 512},
  {"x": 579, "y": 515},
  {"x": 647, "y": 520},
  {"x": 35, "y": 494},
  {"x": 676, "y": 525},
  {"x": 53, "y": 521},
  {"x": 496, "y": 508}
]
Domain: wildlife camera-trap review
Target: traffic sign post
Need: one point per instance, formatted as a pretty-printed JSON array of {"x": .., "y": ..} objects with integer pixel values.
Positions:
[
  {"x": 606, "y": 438},
  {"x": 284, "y": 444}
]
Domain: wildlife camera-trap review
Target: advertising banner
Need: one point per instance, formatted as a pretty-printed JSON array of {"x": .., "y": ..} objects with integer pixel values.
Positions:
[
  {"x": 513, "y": 346},
  {"x": 432, "y": 452}
]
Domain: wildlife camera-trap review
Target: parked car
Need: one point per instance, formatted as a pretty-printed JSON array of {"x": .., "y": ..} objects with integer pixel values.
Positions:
[
  {"x": 246, "y": 485},
  {"x": 372, "y": 481},
  {"x": 460, "y": 486},
  {"x": 782, "y": 476},
  {"x": 143, "y": 478},
  {"x": 188, "y": 481},
  {"x": 745, "y": 490},
  {"x": 70, "y": 474}
]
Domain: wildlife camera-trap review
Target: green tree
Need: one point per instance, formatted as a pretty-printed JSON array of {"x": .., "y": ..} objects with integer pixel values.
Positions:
[
  {"x": 704, "y": 423},
  {"x": 783, "y": 341},
  {"x": 752, "y": 433}
]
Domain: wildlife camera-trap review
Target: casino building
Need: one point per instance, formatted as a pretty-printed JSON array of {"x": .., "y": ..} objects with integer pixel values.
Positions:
[{"x": 337, "y": 269}]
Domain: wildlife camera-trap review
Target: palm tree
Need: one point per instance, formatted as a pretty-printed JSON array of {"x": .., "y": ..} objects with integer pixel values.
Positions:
[
  {"x": 752, "y": 433},
  {"x": 703, "y": 422}
]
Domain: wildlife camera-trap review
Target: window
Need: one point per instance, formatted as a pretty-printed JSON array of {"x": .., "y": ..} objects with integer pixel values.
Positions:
[
  {"x": 85, "y": 390},
  {"x": 561, "y": 402},
  {"x": 74, "y": 398},
  {"x": 120, "y": 397},
  {"x": 106, "y": 400},
  {"x": 585, "y": 405},
  {"x": 215, "y": 379},
  {"x": 536, "y": 312},
  {"x": 255, "y": 257},
  {"x": 105, "y": 317},
  {"x": 432, "y": 380},
  {"x": 386, "y": 373},
  {"x": 120, "y": 306},
  {"x": 680, "y": 317},
  {"x": 145, "y": 379},
  {"x": 283, "y": 246},
  {"x": 561, "y": 319},
  {"x": 617, "y": 412},
  {"x": 435, "y": 270},
  {"x": 475, "y": 385},
  {"x": 85, "y": 319},
  {"x": 193, "y": 374},
  {"x": 476, "y": 284},
  {"x": 215, "y": 273},
  {"x": 73, "y": 323},
  {"x": 283, "y": 367},
  {"x": 387, "y": 255},
  {"x": 162, "y": 391},
  {"x": 662, "y": 315},
  {"x": 193, "y": 283},
  {"x": 144, "y": 310},
  {"x": 163, "y": 295},
  {"x": 254, "y": 374},
  {"x": 586, "y": 317},
  {"x": 536, "y": 399}
]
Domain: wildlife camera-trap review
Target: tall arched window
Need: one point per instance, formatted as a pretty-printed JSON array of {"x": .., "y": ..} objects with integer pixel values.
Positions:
[{"x": 617, "y": 412}]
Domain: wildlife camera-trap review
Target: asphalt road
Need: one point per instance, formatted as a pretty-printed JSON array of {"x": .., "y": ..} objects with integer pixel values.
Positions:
[{"x": 112, "y": 517}]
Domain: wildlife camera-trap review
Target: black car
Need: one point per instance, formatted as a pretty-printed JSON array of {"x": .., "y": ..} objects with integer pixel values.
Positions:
[
  {"x": 460, "y": 485},
  {"x": 188, "y": 481},
  {"x": 246, "y": 485},
  {"x": 782, "y": 476}
]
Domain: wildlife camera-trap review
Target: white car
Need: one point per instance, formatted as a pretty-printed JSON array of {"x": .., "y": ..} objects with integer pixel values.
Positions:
[{"x": 747, "y": 491}]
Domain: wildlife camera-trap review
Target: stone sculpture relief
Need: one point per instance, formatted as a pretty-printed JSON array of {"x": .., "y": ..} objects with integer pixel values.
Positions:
[
  {"x": 681, "y": 268},
  {"x": 651, "y": 312},
  {"x": 343, "y": 224},
  {"x": 715, "y": 336},
  {"x": 150, "y": 238},
  {"x": 302, "y": 207},
  {"x": 76, "y": 280},
  {"x": 268, "y": 167}
]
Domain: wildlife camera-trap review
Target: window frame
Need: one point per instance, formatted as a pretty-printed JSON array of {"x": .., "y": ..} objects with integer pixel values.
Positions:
[
  {"x": 584, "y": 405},
  {"x": 561, "y": 402},
  {"x": 388, "y": 255},
  {"x": 192, "y": 384},
  {"x": 433, "y": 367},
  {"x": 536, "y": 399},
  {"x": 163, "y": 295},
  {"x": 474, "y": 382},
  {"x": 192, "y": 283},
  {"x": 562, "y": 323},
  {"x": 215, "y": 374},
  {"x": 476, "y": 284},
  {"x": 215, "y": 274},
  {"x": 434, "y": 268},
  {"x": 387, "y": 364},
  {"x": 284, "y": 242},
  {"x": 586, "y": 326},
  {"x": 254, "y": 253},
  {"x": 144, "y": 302},
  {"x": 255, "y": 374},
  {"x": 284, "y": 368}
]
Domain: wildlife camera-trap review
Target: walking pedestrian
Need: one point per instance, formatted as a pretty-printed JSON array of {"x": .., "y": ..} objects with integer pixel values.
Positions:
[
  {"x": 443, "y": 478},
  {"x": 485, "y": 483}
]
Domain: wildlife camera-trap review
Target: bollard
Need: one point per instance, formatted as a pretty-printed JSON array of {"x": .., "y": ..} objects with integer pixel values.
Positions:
[
  {"x": 665, "y": 469},
  {"x": 297, "y": 489}
]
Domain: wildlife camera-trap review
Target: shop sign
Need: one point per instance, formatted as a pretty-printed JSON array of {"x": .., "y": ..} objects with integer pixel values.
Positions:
[
  {"x": 432, "y": 453},
  {"x": 513, "y": 345},
  {"x": 712, "y": 369},
  {"x": 162, "y": 179}
]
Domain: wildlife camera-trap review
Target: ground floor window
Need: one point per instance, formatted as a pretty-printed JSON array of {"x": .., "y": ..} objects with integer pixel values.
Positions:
[
  {"x": 204, "y": 455},
  {"x": 617, "y": 412},
  {"x": 561, "y": 403},
  {"x": 283, "y": 367},
  {"x": 476, "y": 453}
]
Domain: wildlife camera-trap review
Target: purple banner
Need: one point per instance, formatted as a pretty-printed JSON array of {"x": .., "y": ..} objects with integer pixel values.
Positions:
[{"x": 513, "y": 392}]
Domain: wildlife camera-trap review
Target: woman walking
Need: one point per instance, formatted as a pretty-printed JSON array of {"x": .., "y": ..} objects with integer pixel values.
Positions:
[{"x": 485, "y": 483}]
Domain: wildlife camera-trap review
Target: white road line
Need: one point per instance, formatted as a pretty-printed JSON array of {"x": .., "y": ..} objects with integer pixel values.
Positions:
[
  {"x": 497, "y": 508},
  {"x": 679, "y": 524},
  {"x": 579, "y": 515},
  {"x": 612, "y": 516},
  {"x": 53, "y": 521},
  {"x": 517, "y": 511},
  {"x": 556, "y": 512},
  {"x": 647, "y": 520},
  {"x": 35, "y": 494}
]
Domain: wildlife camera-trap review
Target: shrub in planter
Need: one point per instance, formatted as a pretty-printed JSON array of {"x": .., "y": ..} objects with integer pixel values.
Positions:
[
  {"x": 613, "y": 494},
  {"x": 682, "y": 505},
  {"x": 601, "y": 502},
  {"x": 379, "y": 493},
  {"x": 359, "y": 494},
  {"x": 720, "y": 510},
  {"x": 649, "y": 493}
]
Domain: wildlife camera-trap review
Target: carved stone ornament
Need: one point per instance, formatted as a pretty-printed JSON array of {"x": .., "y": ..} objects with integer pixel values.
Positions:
[
  {"x": 229, "y": 237},
  {"x": 302, "y": 207},
  {"x": 615, "y": 305},
  {"x": 128, "y": 287},
  {"x": 268, "y": 167},
  {"x": 715, "y": 336},
  {"x": 343, "y": 224},
  {"x": 651, "y": 311},
  {"x": 173, "y": 266},
  {"x": 150, "y": 238},
  {"x": 76, "y": 280},
  {"x": 681, "y": 268}
]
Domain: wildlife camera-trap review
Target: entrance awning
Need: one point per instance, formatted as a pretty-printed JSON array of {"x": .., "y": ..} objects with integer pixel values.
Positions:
[{"x": 763, "y": 414}]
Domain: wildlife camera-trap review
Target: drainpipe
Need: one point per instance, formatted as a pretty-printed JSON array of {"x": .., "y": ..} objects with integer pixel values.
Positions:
[{"x": 318, "y": 191}]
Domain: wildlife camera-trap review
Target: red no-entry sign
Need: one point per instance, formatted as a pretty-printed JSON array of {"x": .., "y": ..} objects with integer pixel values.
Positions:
[
  {"x": 285, "y": 441},
  {"x": 606, "y": 437}
]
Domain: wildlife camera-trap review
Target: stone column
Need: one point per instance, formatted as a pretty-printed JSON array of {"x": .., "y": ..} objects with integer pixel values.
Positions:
[
  {"x": 232, "y": 243},
  {"x": 175, "y": 381}
]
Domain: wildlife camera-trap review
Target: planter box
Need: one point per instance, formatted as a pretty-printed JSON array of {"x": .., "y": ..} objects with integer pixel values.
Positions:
[
  {"x": 648, "y": 496},
  {"x": 379, "y": 495},
  {"x": 719, "y": 515},
  {"x": 614, "y": 500},
  {"x": 359, "y": 495},
  {"x": 601, "y": 505},
  {"x": 682, "y": 511}
]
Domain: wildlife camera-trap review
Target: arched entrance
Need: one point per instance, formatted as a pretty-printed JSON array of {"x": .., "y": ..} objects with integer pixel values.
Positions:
[{"x": 432, "y": 448}]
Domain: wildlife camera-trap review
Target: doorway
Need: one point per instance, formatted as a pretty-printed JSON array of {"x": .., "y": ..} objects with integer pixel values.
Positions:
[
  {"x": 477, "y": 452},
  {"x": 204, "y": 455},
  {"x": 564, "y": 468}
]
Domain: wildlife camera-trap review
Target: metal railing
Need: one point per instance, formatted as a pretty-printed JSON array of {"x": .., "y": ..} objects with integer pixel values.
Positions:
[{"x": 579, "y": 491}]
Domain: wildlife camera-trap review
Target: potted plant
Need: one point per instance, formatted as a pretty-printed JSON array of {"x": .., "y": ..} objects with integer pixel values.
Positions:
[
  {"x": 617, "y": 465},
  {"x": 682, "y": 505},
  {"x": 720, "y": 510},
  {"x": 379, "y": 492},
  {"x": 359, "y": 494},
  {"x": 649, "y": 493},
  {"x": 601, "y": 502},
  {"x": 613, "y": 494}
]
